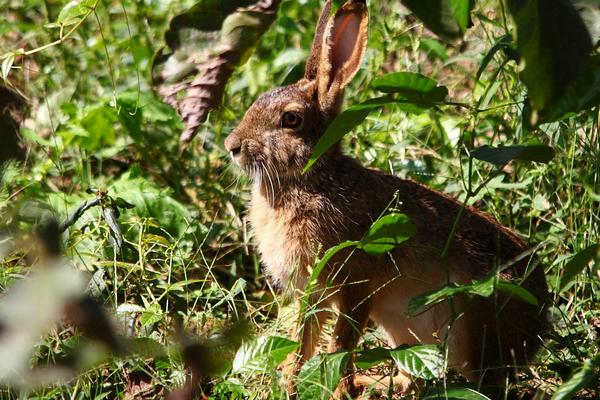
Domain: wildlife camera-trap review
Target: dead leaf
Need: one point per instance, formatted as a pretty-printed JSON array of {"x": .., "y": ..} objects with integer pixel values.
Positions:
[{"x": 192, "y": 77}]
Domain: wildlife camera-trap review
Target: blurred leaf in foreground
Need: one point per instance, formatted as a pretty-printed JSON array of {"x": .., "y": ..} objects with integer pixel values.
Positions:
[
  {"x": 192, "y": 76},
  {"x": 11, "y": 108},
  {"x": 555, "y": 45}
]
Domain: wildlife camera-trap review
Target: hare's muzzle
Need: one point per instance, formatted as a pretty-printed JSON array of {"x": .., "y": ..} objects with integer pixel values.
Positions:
[{"x": 233, "y": 144}]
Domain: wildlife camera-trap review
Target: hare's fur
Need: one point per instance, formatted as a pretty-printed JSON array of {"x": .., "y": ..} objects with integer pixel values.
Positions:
[{"x": 295, "y": 215}]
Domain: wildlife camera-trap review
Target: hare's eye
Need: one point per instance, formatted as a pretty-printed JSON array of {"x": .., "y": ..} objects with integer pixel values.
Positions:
[{"x": 290, "y": 120}]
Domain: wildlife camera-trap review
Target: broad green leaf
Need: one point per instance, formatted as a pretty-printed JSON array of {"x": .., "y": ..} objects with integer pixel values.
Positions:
[
  {"x": 554, "y": 44},
  {"x": 420, "y": 361},
  {"x": 579, "y": 380},
  {"x": 438, "y": 15},
  {"x": 386, "y": 233},
  {"x": 151, "y": 315},
  {"x": 582, "y": 94},
  {"x": 319, "y": 377},
  {"x": 412, "y": 86},
  {"x": 370, "y": 357},
  {"x": 262, "y": 354},
  {"x": 462, "y": 11},
  {"x": 343, "y": 124},
  {"x": 153, "y": 202},
  {"x": 422, "y": 302},
  {"x": 518, "y": 291},
  {"x": 72, "y": 12},
  {"x": 504, "y": 154},
  {"x": 453, "y": 393},
  {"x": 577, "y": 263}
]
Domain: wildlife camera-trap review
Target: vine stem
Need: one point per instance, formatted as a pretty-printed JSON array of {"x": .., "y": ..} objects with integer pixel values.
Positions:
[{"x": 62, "y": 37}]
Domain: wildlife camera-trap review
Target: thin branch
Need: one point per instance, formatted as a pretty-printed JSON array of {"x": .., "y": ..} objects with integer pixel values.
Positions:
[{"x": 75, "y": 215}]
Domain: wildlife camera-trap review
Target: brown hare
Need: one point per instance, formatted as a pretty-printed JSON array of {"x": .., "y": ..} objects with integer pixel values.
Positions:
[{"x": 296, "y": 215}]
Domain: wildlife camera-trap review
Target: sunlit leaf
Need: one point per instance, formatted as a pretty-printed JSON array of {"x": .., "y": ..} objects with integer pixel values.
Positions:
[
  {"x": 420, "y": 303},
  {"x": 518, "y": 291},
  {"x": 72, "y": 12},
  {"x": 320, "y": 375},
  {"x": 386, "y": 233},
  {"x": 151, "y": 315},
  {"x": 453, "y": 393},
  {"x": 262, "y": 354},
  {"x": 411, "y": 86},
  {"x": 420, "y": 361},
  {"x": 342, "y": 124}
]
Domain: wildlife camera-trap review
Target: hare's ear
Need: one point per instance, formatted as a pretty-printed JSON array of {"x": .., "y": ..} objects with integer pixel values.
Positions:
[
  {"x": 342, "y": 51},
  {"x": 313, "y": 61}
]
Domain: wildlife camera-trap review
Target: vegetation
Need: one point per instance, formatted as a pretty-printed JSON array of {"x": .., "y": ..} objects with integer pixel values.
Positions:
[{"x": 160, "y": 290}]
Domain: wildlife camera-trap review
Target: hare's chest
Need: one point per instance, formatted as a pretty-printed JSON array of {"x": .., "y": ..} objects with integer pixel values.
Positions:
[{"x": 284, "y": 246}]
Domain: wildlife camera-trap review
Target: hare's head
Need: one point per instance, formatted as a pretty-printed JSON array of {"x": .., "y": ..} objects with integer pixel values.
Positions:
[{"x": 278, "y": 132}]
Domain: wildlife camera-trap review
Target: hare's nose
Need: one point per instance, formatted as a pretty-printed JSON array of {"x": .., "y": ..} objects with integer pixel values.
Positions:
[{"x": 233, "y": 144}]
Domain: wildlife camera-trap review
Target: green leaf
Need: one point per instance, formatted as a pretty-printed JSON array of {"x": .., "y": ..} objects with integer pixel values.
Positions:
[
  {"x": 262, "y": 354},
  {"x": 412, "y": 86},
  {"x": 420, "y": 361},
  {"x": 453, "y": 393},
  {"x": 420, "y": 303},
  {"x": 327, "y": 256},
  {"x": 579, "y": 380},
  {"x": 370, "y": 357},
  {"x": 582, "y": 94},
  {"x": 439, "y": 16},
  {"x": 72, "y": 12},
  {"x": 151, "y": 315},
  {"x": 343, "y": 124},
  {"x": 577, "y": 263},
  {"x": 504, "y": 42},
  {"x": 555, "y": 45},
  {"x": 518, "y": 291},
  {"x": 154, "y": 202},
  {"x": 122, "y": 203},
  {"x": 386, "y": 233},
  {"x": 504, "y": 154},
  {"x": 7, "y": 63},
  {"x": 434, "y": 47},
  {"x": 462, "y": 13},
  {"x": 320, "y": 375}
]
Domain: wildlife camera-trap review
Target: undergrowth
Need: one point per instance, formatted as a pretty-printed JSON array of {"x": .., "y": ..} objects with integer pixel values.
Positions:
[{"x": 187, "y": 273}]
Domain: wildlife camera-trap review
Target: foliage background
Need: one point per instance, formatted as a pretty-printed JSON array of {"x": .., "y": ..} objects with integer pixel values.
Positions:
[{"x": 95, "y": 122}]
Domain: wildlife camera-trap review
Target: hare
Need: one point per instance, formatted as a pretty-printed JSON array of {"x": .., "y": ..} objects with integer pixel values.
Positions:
[{"x": 296, "y": 215}]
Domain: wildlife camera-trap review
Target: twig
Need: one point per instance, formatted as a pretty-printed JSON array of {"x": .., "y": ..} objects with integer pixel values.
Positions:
[{"x": 75, "y": 215}]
